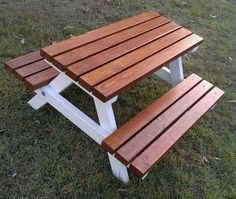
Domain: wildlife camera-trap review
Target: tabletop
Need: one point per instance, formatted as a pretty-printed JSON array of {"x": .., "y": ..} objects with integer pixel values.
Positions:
[{"x": 108, "y": 60}]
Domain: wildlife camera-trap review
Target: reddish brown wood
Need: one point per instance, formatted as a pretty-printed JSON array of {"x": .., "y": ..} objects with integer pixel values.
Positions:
[
  {"x": 145, "y": 161},
  {"x": 146, "y": 136},
  {"x": 129, "y": 77},
  {"x": 128, "y": 130},
  {"x": 40, "y": 79},
  {"x": 63, "y": 46},
  {"x": 128, "y": 60},
  {"x": 70, "y": 57},
  {"x": 31, "y": 69},
  {"x": 22, "y": 61},
  {"x": 86, "y": 65}
]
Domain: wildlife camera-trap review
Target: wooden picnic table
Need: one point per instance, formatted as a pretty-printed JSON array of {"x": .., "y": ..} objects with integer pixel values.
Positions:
[{"x": 107, "y": 61}]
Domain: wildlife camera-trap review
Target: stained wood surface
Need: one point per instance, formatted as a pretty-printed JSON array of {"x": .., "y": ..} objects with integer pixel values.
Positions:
[
  {"x": 94, "y": 35},
  {"x": 109, "y": 60},
  {"x": 118, "y": 138},
  {"x": 142, "y": 141},
  {"x": 120, "y": 82},
  {"x": 146, "y": 160},
  {"x": 23, "y": 60},
  {"x": 32, "y": 70}
]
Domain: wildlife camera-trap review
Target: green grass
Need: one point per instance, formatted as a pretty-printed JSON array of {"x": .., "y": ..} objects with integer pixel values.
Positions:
[{"x": 43, "y": 155}]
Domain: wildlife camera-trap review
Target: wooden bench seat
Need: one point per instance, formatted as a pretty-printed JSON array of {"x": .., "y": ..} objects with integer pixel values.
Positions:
[
  {"x": 142, "y": 141},
  {"x": 32, "y": 69}
]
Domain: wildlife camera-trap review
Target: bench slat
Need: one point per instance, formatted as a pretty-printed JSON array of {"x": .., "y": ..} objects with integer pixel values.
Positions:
[
  {"x": 70, "y": 57},
  {"x": 129, "y": 77},
  {"x": 31, "y": 69},
  {"x": 145, "y": 161},
  {"x": 88, "y": 37},
  {"x": 128, "y": 130},
  {"x": 128, "y": 60},
  {"x": 40, "y": 79},
  {"x": 22, "y": 61},
  {"x": 147, "y": 135},
  {"x": 86, "y": 65}
]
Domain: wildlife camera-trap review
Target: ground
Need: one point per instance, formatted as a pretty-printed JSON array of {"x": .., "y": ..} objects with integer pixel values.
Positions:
[{"x": 43, "y": 155}]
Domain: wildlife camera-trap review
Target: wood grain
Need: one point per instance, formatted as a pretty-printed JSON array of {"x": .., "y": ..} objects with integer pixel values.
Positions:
[
  {"x": 128, "y": 60},
  {"x": 22, "y": 61},
  {"x": 122, "y": 81},
  {"x": 64, "y": 46},
  {"x": 145, "y": 161},
  {"x": 113, "y": 142},
  {"x": 31, "y": 69},
  {"x": 93, "y": 62},
  {"x": 40, "y": 79},
  {"x": 70, "y": 57},
  {"x": 146, "y": 136}
]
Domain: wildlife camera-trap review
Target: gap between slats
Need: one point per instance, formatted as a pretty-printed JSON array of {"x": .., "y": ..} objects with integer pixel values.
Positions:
[
  {"x": 118, "y": 138},
  {"x": 85, "y": 66},
  {"x": 205, "y": 103},
  {"x": 49, "y": 57},
  {"x": 106, "y": 89},
  {"x": 134, "y": 61}
]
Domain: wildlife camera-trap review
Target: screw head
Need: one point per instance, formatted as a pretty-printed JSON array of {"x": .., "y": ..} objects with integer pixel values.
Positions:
[{"x": 43, "y": 93}]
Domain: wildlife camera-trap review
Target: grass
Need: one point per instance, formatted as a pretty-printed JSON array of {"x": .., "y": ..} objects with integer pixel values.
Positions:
[{"x": 42, "y": 155}]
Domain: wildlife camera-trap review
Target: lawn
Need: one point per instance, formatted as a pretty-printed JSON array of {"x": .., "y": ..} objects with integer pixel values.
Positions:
[{"x": 43, "y": 155}]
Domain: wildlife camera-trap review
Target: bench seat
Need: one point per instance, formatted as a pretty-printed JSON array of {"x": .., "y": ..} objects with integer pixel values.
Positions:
[
  {"x": 32, "y": 70},
  {"x": 142, "y": 141}
]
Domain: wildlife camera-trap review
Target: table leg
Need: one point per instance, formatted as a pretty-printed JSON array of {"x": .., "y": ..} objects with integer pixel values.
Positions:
[
  {"x": 176, "y": 71},
  {"x": 107, "y": 120}
]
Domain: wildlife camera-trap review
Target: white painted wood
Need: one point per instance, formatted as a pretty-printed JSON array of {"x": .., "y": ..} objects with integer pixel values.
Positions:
[
  {"x": 145, "y": 175},
  {"x": 164, "y": 73},
  {"x": 59, "y": 84},
  {"x": 72, "y": 113},
  {"x": 194, "y": 49},
  {"x": 176, "y": 71},
  {"x": 107, "y": 120},
  {"x": 37, "y": 101}
]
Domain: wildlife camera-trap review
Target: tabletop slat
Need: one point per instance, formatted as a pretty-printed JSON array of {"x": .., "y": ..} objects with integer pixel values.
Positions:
[
  {"x": 128, "y": 60},
  {"x": 91, "y": 63},
  {"x": 88, "y": 37},
  {"x": 85, "y": 51},
  {"x": 111, "y": 87}
]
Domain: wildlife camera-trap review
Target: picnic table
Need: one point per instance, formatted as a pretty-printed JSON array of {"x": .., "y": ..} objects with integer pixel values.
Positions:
[{"x": 105, "y": 63}]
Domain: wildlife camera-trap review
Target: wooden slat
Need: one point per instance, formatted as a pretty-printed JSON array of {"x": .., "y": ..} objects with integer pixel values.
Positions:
[
  {"x": 40, "y": 79},
  {"x": 88, "y": 37},
  {"x": 70, "y": 57},
  {"x": 128, "y": 130},
  {"x": 125, "y": 79},
  {"x": 147, "y": 135},
  {"x": 126, "y": 61},
  {"x": 145, "y": 161},
  {"x": 79, "y": 68},
  {"x": 22, "y": 61},
  {"x": 31, "y": 69}
]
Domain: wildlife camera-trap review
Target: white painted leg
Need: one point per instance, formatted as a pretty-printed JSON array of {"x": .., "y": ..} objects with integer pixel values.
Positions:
[
  {"x": 176, "y": 71},
  {"x": 164, "y": 73},
  {"x": 107, "y": 120},
  {"x": 60, "y": 83},
  {"x": 82, "y": 121}
]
